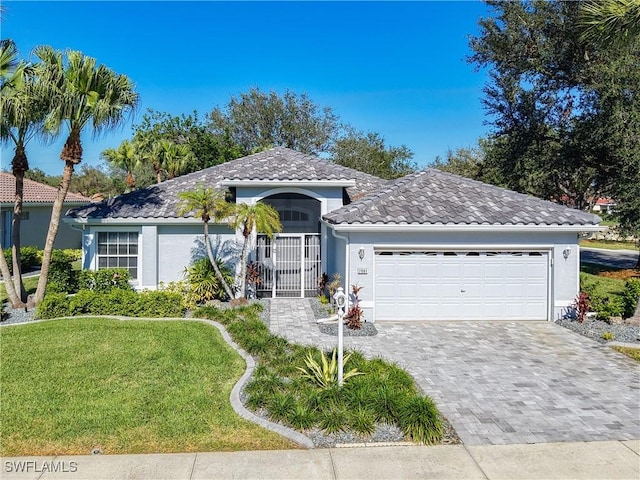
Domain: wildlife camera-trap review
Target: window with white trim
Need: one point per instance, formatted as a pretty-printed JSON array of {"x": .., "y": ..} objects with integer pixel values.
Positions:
[{"x": 118, "y": 250}]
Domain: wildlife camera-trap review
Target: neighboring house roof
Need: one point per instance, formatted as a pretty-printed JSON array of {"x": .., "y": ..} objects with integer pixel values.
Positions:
[
  {"x": 33, "y": 192},
  {"x": 274, "y": 165},
  {"x": 605, "y": 201},
  {"x": 432, "y": 197}
]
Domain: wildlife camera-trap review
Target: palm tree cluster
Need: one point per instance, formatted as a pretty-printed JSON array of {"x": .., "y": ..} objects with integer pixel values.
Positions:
[
  {"x": 61, "y": 93},
  {"x": 209, "y": 204}
]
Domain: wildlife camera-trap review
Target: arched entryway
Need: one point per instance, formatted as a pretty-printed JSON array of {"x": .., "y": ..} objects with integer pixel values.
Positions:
[{"x": 290, "y": 263}]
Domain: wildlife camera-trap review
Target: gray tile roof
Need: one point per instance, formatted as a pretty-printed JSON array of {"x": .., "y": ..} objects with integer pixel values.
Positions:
[
  {"x": 439, "y": 198},
  {"x": 276, "y": 164}
]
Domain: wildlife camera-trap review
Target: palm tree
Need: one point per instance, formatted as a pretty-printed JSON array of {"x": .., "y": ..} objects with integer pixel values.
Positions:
[
  {"x": 82, "y": 94},
  {"x": 259, "y": 216},
  {"x": 125, "y": 157},
  {"x": 207, "y": 204},
  {"x": 611, "y": 23},
  {"x": 173, "y": 157},
  {"x": 23, "y": 108}
]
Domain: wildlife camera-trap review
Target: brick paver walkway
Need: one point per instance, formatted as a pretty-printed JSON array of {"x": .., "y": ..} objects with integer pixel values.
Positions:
[{"x": 500, "y": 382}]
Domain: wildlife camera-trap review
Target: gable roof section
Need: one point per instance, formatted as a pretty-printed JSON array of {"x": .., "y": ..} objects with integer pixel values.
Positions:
[
  {"x": 34, "y": 192},
  {"x": 432, "y": 197},
  {"x": 274, "y": 165}
]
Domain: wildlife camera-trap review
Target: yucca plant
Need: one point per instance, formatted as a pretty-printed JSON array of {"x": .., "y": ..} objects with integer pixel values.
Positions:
[{"x": 325, "y": 374}]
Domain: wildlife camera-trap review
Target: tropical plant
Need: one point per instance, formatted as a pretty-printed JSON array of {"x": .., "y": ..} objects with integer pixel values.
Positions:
[
  {"x": 207, "y": 204},
  {"x": 325, "y": 373},
  {"x": 259, "y": 216},
  {"x": 125, "y": 157},
  {"x": 581, "y": 306},
  {"x": 203, "y": 281},
  {"x": 610, "y": 23},
  {"x": 355, "y": 314},
  {"x": 23, "y": 105},
  {"x": 173, "y": 158},
  {"x": 82, "y": 94}
]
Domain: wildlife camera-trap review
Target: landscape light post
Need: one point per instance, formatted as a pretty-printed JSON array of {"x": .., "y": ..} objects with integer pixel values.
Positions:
[{"x": 341, "y": 302}]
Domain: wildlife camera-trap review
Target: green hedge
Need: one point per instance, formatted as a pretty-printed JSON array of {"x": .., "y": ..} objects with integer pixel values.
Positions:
[
  {"x": 630, "y": 296},
  {"x": 62, "y": 277},
  {"x": 104, "y": 280},
  {"x": 116, "y": 302},
  {"x": 30, "y": 257}
]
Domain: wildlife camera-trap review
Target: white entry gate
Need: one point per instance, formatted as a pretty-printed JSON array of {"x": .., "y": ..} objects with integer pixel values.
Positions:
[{"x": 289, "y": 265}]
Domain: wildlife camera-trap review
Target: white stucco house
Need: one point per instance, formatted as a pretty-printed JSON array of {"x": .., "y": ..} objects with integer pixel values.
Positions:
[{"x": 428, "y": 246}]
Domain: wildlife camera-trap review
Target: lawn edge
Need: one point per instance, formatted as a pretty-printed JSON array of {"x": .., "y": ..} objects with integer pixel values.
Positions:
[{"x": 250, "y": 363}]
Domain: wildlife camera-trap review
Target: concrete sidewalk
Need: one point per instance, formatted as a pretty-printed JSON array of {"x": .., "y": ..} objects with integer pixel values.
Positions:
[{"x": 594, "y": 460}]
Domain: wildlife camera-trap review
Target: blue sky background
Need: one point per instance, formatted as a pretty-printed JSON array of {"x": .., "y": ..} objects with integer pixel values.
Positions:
[{"x": 394, "y": 68}]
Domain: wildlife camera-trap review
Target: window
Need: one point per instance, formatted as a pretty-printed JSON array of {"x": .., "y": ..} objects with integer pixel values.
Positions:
[{"x": 118, "y": 250}]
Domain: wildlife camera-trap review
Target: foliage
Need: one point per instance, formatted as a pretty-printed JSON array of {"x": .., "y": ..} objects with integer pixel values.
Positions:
[
  {"x": 62, "y": 277},
  {"x": 610, "y": 23},
  {"x": 104, "y": 280},
  {"x": 257, "y": 120},
  {"x": 355, "y": 314},
  {"x": 581, "y": 306},
  {"x": 208, "y": 149},
  {"x": 203, "y": 283},
  {"x": 368, "y": 153},
  {"x": 30, "y": 257},
  {"x": 420, "y": 421},
  {"x": 259, "y": 217},
  {"x": 325, "y": 373},
  {"x": 630, "y": 297},
  {"x": 124, "y": 157},
  {"x": 565, "y": 112},
  {"x": 122, "y": 386},
  {"x": 114, "y": 302},
  {"x": 207, "y": 203},
  {"x": 87, "y": 181},
  {"x": 605, "y": 295},
  {"x": 285, "y": 386},
  {"x": 608, "y": 336}
]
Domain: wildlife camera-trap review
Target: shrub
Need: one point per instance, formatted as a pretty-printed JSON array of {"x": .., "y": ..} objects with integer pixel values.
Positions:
[
  {"x": 581, "y": 306},
  {"x": 419, "y": 420},
  {"x": 608, "y": 336},
  {"x": 630, "y": 297},
  {"x": 116, "y": 302},
  {"x": 204, "y": 284},
  {"x": 52, "y": 306},
  {"x": 30, "y": 257},
  {"x": 62, "y": 278},
  {"x": 325, "y": 374},
  {"x": 104, "y": 280}
]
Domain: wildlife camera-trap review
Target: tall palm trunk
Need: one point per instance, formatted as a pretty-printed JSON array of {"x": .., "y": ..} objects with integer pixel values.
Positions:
[
  {"x": 56, "y": 213},
  {"x": 15, "y": 238},
  {"x": 14, "y": 299},
  {"x": 214, "y": 264},
  {"x": 244, "y": 257}
]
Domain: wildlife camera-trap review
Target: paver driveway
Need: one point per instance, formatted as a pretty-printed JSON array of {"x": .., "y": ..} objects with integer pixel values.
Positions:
[{"x": 500, "y": 382}]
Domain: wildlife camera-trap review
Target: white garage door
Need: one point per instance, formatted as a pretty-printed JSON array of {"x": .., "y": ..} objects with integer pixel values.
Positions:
[{"x": 487, "y": 285}]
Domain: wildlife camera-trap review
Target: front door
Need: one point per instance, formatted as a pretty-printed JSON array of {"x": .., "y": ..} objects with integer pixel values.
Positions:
[{"x": 289, "y": 265}]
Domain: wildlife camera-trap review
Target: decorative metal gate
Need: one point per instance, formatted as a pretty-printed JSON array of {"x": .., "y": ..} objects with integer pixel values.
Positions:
[{"x": 289, "y": 265}]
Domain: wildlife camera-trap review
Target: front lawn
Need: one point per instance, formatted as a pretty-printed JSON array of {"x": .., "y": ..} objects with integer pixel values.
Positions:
[
  {"x": 69, "y": 386},
  {"x": 629, "y": 352},
  {"x": 30, "y": 284},
  {"x": 608, "y": 244}
]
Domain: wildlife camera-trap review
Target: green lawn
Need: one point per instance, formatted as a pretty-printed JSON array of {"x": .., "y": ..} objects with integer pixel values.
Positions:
[
  {"x": 69, "y": 386},
  {"x": 630, "y": 352},
  {"x": 608, "y": 244}
]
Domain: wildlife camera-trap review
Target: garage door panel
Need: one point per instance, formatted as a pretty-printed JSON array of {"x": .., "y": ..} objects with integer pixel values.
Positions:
[{"x": 459, "y": 285}]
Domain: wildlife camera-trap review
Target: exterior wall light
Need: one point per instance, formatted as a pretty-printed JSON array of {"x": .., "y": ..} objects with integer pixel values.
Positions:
[
  {"x": 361, "y": 253},
  {"x": 566, "y": 252}
]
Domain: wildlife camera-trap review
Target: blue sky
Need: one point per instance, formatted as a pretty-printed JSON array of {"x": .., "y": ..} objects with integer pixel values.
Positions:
[{"x": 394, "y": 68}]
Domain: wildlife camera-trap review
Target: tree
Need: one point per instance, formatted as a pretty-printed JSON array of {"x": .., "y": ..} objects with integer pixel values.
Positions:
[
  {"x": 256, "y": 217},
  {"x": 23, "y": 107},
  {"x": 207, "y": 204},
  {"x": 82, "y": 94},
  {"x": 368, "y": 153},
  {"x": 257, "y": 120},
  {"x": 556, "y": 104},
  {"x": 173, "y": 158},
  {"x": 209, "y": 149},
  {"x": 126, "y": 158},
  {"x": 470, "y": 163}
]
